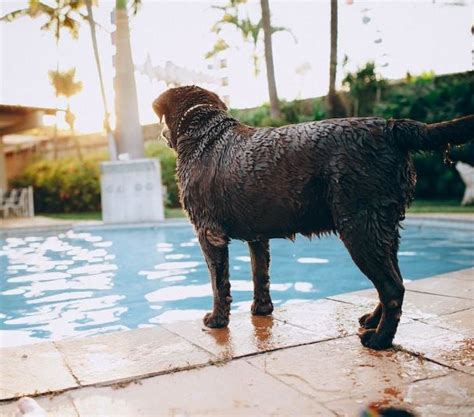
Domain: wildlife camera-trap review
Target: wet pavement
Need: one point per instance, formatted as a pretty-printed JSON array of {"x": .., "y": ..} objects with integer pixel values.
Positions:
[{"x": 305, "y": 360}]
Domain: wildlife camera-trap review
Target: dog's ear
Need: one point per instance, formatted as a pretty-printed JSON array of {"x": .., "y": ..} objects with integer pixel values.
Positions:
[
  {"x": 220, "y": 104},
  {"x": 160, "y": 106}
]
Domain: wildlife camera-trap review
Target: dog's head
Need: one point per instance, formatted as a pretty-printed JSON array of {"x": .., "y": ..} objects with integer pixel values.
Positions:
[{"x": 173, "y": 104}]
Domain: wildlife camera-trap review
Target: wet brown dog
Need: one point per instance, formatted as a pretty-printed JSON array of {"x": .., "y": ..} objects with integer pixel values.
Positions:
[{"x": 353, "y": 177}]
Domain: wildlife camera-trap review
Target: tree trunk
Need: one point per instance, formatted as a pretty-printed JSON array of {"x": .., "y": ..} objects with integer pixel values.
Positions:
[
  {"x": 267, "y": 36},
  {"x": 333, "y": 55},
  {"x": 110, "y": 136},
  {"x": 128, "y": 129},
  {"x": 334, "y": 103},
  {"x": 56, "y": 118}
]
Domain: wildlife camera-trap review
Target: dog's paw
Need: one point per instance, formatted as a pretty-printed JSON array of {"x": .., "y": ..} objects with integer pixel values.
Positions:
[
  {"x": 373, "y": 340},
  {"x": 262, "y": 309},
  {"x": 215, "y": 321},
  {"x": 369, "y": 321}
]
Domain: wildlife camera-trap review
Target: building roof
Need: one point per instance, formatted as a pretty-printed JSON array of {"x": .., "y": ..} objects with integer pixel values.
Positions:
[
  {"x": 15, "y": 118},
  {"x": 15, "y": 109}
]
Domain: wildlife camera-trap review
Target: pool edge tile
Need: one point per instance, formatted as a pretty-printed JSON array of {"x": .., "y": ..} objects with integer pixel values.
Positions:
[
  {"x": 27, "y": 370},
  {"x": 132, "y": 354}
]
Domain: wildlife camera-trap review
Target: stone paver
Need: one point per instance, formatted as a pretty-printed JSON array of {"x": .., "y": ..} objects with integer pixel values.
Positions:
[
  {"x": 449, "y": 395},
  {"x": 327, "y": 318},
  {"x": 32, "y": 222},
  {"x": 330, "y": 370},
  {"x": 443, "y": 285},
  {"x": 125, "y": 355},
  {"x": 464, "y": 274},
  {"x": 234, "y": 389},
  {"x": 460, "y": 322},
  {"x": 28, "y": 369},
  {"x": 416, "y": 305},
  {"x": 302, "y": 361},
  {"x": 245, "y": 335},
  {"x": 457, "y": 217},
  {"x": 441, "y": 345}
]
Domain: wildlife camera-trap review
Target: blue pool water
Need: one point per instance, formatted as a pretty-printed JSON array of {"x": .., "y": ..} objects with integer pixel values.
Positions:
[{"x": 71, "y": 284}]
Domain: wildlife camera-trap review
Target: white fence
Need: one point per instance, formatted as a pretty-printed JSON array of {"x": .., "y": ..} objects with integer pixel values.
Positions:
[{"x": 17, "y": 203}]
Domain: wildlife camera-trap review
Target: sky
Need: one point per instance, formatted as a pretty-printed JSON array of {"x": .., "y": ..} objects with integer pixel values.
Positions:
[{"x": 400, "y": 36}]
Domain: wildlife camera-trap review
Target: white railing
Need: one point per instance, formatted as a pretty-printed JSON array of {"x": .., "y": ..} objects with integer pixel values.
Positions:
[{"x": 17, "y": 203}]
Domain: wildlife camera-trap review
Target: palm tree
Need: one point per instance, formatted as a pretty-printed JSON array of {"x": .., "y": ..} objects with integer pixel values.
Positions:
[
  {"x": 135, "y": 148},
  {"x": 65, "y": 85},
  {"x": 251, "y": 32},
  {"x": 63, "y": 15},
  {"x": 267, "y": 34},
  {"x": 333, "y": 54},
  {"x": 110, "y": 135},
  {"x": 128, "y": 129}
]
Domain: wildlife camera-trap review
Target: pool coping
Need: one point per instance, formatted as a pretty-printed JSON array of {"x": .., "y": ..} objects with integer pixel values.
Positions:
[
  {"x": 135, "y": 355},
  {"x": 456, "y": 222}
]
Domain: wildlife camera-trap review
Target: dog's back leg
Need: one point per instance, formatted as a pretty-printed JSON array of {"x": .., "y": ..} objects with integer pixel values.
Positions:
[
  {"x": 215, "y": 248},
  {"x": 260, "y": 256},
  {"x": 372, "y": 241},
  {"x": 371, "y": 320}
]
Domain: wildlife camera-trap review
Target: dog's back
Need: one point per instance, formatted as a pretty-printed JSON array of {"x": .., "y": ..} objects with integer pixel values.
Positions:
[{"x": 276, "y": 182}]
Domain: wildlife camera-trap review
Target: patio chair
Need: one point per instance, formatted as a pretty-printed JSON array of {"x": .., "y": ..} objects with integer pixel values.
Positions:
[
  {"x": 20, "y": 206},
  {"x": 9, "y": 202}
]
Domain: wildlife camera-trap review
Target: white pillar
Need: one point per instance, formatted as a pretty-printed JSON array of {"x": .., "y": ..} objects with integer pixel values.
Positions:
[
  {"x": 128, "y": 131},
  {"x": 131, "y": 191}
]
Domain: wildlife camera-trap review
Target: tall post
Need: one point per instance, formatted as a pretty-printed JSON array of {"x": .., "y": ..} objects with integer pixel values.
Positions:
[
  {"x": 128, "y": 130},
  {"x": 333, "y": 55},
  {"x": 267, "y": 39}
]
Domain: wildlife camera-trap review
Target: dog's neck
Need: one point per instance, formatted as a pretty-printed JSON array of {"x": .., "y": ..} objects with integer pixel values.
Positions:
[{"x": 186, "y": 113}]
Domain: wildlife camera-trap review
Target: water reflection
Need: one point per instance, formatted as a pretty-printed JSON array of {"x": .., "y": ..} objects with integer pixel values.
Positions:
[{"x": 55, "y": 288}]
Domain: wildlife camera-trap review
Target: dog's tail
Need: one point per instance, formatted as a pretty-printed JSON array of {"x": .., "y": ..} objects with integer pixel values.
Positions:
[{"x": 415, "y": 136}]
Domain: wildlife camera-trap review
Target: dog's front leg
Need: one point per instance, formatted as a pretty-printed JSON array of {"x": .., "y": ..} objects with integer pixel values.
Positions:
[
  {"x": 260, "y": 256},
  {"x": 216, "y": 252}
]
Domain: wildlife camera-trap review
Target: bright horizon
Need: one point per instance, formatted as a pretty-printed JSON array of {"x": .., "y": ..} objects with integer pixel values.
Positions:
[{"x": 415, "y": 36}]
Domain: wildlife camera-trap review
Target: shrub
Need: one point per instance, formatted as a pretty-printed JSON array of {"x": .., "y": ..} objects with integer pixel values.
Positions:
[
  {"x": 432, "y": 99},
  {"x": 65, "y": 185},
  {"x": 158, "y": 149}
]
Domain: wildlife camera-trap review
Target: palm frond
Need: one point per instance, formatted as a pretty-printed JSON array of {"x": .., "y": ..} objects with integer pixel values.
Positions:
[
  {"x": 220, "y": 45},
  {"x": 135, "y": 6},
  {"x": 10, "y": 17}
]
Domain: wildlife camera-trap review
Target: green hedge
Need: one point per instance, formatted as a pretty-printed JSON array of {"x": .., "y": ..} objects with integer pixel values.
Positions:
[
  {"x": 65, "y": 185},
  {"x": 167, "y": 158},
  {"x": 432, "y": 99},
  {"x": 73, "y": 186}
]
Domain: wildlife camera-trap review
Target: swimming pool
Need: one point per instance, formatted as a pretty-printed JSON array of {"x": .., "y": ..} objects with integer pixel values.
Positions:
[{"x": 56, "y": 285}]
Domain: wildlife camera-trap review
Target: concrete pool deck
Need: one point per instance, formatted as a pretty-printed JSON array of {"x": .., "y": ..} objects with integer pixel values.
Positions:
[{"x": 305, "y": 360}]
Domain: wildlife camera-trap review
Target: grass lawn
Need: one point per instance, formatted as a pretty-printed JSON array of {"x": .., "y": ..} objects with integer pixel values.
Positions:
[
  {"x": 418, "y": 206},
  {"x": 439, "y": 206},
  {"x": 90, "y": 215}
]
